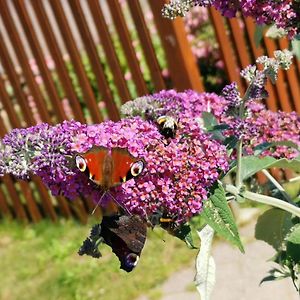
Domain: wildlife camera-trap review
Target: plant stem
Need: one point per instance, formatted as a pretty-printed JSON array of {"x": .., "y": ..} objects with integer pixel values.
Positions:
[
  {"x": 277, "y": 185},
  {"x": 265, "y": 199}
]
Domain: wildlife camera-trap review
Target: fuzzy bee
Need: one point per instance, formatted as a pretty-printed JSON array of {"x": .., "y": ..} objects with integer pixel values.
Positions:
[{"x": 167, "y": 126}]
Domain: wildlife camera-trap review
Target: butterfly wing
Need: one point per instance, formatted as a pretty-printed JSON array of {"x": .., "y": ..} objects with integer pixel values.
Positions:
[
  {"x": 126, "y": 235},
  {"x": 125, "y": 166},
  {"x": 94, "y": 160}
]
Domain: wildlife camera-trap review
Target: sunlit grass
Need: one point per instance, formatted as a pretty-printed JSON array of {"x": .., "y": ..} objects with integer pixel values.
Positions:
[{"x": 41, "y": 262}]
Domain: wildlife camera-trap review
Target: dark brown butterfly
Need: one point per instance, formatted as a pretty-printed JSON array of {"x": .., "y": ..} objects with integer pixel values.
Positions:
[{"x": 126, "y": 235}]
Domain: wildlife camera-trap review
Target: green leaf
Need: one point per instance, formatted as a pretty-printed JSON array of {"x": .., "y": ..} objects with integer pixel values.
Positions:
[
  {"x": 296, "y": 47},
  {"x": 275, "y": 274},
  {"x": 219, "y": 216},
  {"x": 184, "y": 233},
  {"x": 294, "y": 236},
  {"x": 273, "y": 226},
  {"x": 209, "y": 120},
  {"x": 205, "y": 277},
  {"x": 275, "y": 33},
  {"x": 252, "y": 164},
  {"x": 258, "y": 34}
]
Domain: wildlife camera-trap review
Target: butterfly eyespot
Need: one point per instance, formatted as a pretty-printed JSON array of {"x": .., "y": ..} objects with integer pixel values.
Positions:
[
  {"x": 131, "y": 260},
  {"x": 80, "y": 163},
  {"x": 137, "y": 168}
]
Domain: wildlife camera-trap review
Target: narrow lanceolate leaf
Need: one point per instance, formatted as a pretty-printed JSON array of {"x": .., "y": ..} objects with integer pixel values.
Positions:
[
  {"x": 218, "y": 215},
  {"x": 252, "y": 164},
  {"x": 273, "y": 226},
  {"x": 205, "y": 266}
]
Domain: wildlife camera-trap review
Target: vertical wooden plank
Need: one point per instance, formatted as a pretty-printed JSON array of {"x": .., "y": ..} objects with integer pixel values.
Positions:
[
  {"x": 46, "y": 201},
  {"x": 32, "y": 207},
  {"x": 76, "y": 60},
  {"x": 126, "y": 43},
  {"x": 149, "y": 51},
  {"x": 16, "y": 84},
  {"x": 17, "y": 204},
  {"x": 4, "y": 208},
  {"x": 39, "y": 56},
  {"x": 58, "y": 59},
  {"x": 23, "y": 60},
  {"x": 293, "y": 78},
  {"x": 272, "y": 100},
  {"x": 182, "y": 63},
  {"x": 280, "y": 82},
  {"x": 239, "y": 41},
  {"x": 64, "y": 205},
  {"x": 232, "y": 68},
  {"x": 94, "y": 59},
  {"x": 109, "y": 50},
  {"x": 8, "y": 106}
]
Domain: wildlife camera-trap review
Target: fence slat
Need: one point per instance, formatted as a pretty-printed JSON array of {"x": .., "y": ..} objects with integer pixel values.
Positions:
[
  {"x": 149, "y": 51},
  {"x": 16, "y": 84},
  {"x": 38, "y": 54},
  {"x": 232, "y": 68},
  {"x": 280, "y": 86},
  {"x": 126, "y": 43},
  {"x": 8, "y": 106},
  {"x": 181, "y": 61},
  {"x": 30, "y": 201},
  {"x": 239, "y": 42},
  {"x": 23, "y": 61},
  {"x": 4, "y": 208},
  {"x": 293, "y": 77},
  {"x": 58, "y": 59},
  {"x": 109, "y": 50},
  {"x": 46, "y": 200},
  {"x": 70, "y": 44},
  {"x": 271, "y": 101},
  {"x": 94, "y": 59},
  {"x": 14, "y": 195}
]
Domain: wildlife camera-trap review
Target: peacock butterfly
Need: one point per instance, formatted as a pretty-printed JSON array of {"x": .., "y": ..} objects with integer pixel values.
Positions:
[
  {"x": 126, "y": 235},
  {"x": 109, "y": 167}
]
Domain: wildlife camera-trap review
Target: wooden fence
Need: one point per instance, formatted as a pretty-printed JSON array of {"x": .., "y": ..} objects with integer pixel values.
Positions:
[{"x": 63, "y": 59}]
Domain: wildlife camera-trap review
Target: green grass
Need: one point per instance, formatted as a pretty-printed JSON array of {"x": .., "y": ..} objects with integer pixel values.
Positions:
[{"x": 41, "y": 262}]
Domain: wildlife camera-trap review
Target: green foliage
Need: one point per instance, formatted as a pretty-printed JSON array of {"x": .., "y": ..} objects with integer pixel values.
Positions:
[
  {"x": 272, "y": 227},
  {"x": 218, "y": 215},
  {"x": 252, "y": 164}
]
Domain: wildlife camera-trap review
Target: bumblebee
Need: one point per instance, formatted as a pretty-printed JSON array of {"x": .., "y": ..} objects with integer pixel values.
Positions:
[{"x": 167, "y": 126}]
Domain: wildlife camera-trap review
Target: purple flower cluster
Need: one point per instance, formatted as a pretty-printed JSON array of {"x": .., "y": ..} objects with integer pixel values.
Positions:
[
  {"x": 259, "y": 126},
  {"x": 176, "y": 178},
  {"x": 284, "y": 13}
]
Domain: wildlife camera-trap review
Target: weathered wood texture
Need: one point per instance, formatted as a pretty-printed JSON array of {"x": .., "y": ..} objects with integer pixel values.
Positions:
[{"x": 81, "y": 60}]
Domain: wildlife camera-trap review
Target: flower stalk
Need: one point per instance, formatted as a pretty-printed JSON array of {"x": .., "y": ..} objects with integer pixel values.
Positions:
[{"x": 265, "y": 200}]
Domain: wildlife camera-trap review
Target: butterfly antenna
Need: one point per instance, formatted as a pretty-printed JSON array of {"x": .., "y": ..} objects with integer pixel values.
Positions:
[
  {"x": 98, "y": 203},
  {"x": 119, "y": 204}
]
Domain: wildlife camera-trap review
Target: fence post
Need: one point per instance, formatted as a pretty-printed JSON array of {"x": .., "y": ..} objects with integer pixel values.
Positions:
[{"x": 181, "y": 61}]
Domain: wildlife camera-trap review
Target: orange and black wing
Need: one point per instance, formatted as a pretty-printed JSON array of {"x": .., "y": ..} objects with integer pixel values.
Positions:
[
  {"x": 125, "y": 166},
  {"x": 94, "y": 160}
]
